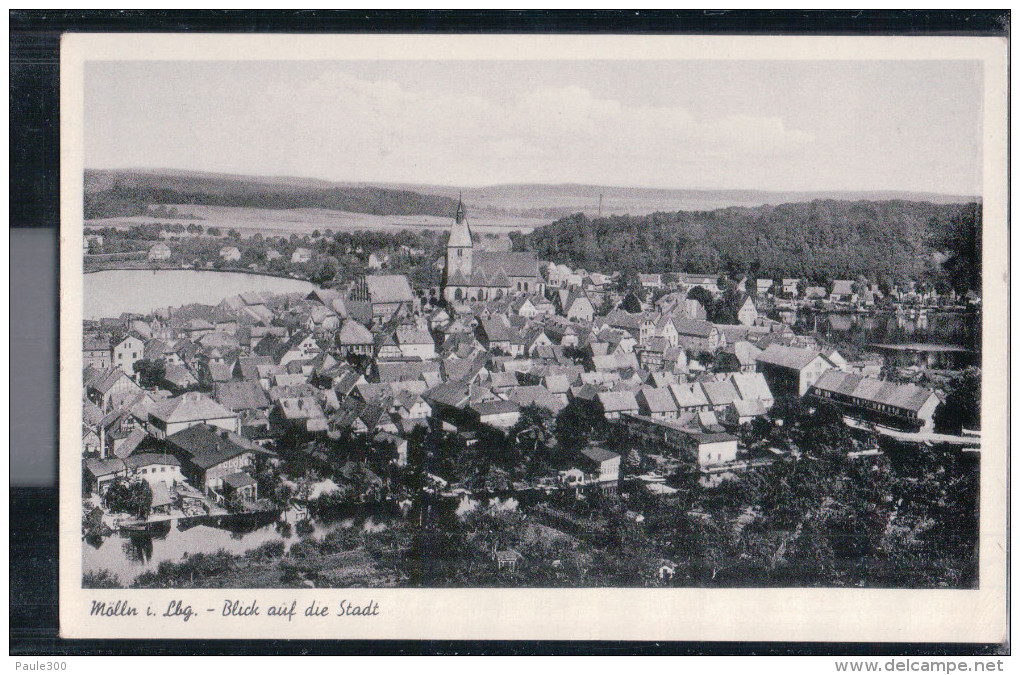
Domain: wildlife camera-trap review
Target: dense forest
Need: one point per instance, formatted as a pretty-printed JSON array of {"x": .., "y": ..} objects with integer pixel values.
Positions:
[
  {"x": 130, "y": 194},
  {"x": 820, "y": 240}
]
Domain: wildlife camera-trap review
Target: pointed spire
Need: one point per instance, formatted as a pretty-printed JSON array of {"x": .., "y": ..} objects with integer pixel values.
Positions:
[{"x": 460, "y": 207}]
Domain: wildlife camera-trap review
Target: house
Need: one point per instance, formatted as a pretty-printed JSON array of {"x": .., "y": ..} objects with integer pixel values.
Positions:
[
  {"x": 208, "y": 454},
  {"x": 790, "y": 371},
  {"x": 843, "y": 291},
  {"x": 738, "y": 357},
  {"x": 154, "y": 468},
  {"x": 747, "y": 314},
  {"x": 230, "y": 253},
  {"x": 764, "y": 286},
  {"x": 710, "y": 282},
  {"x": 239, "y": 486},
  {"x": 656, "y": 403},
  {"x": 752, "y": 387},
  {"x": 126, "y": 352},
  {"x": 91, "y": 446},
  {"x": 301, "y": 255},
  {"x": 903, "y": 406},
  {"x": 159, "y": 251},
  {"x": 601, "y": 468},
  {"x": 245, "y": 397},
  {"x": 378, "y": 260},
  {"x": 579, "y": 307},
  {"x": 790, "y": 287},
  {"x": 740, "y": 412},
  {"x": 617, "y": 403},
  {"x": 719, "y": 394},
  {"x": 299, "y": 412},
  {"x": 386, "y": 293},
  {"x": 415, "y": 342},
  {"x": 355, "y": 339},
  {"x": 108, "y": 388},
  {"x": 690, "y": 398},
  {"x": 507, "y": 560},
  {"x": 300, "y": 347},
  {"x": 97, "y": 352},
  {"x": 500, "y": 414},
  {"x": 712, "y": 449},
  {"x": 495, "y": 333},
  {"x": 191, "y": 409},
  {"x": 698, "y": 335},
  {"x": 100, "y": 474},
  {"x": 650, "y": 281}
]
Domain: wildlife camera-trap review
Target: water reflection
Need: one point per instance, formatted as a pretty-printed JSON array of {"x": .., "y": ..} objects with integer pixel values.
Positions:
[{"x": 129, "y": 555}]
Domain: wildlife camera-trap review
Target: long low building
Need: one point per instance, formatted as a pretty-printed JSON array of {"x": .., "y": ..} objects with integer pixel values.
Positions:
[{"x": 905, "y": 406}]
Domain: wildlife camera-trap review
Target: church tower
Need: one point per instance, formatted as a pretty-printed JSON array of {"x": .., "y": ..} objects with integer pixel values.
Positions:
[{"x": 458, "y": 252}]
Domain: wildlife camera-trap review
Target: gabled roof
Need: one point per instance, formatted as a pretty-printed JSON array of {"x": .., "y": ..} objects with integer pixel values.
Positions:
[
  {"x": 617, "y": 401},
  {"x": 693, "y": 327},
  {"x": 788, "y": 357},
  {"x": 658, "y": 400},
  {"x": 242, "y": 395},
  {"x": 751, "y": 386},
  {"x": 903, "y": 396},
  {"x": 720, "y": 393},
  {"x": 411, "y": 335},
  {"x": 190, "y": 407},
  {"x": 353, "y": 333},
  {"x": 599, "y": 455},
  {"x": 207, "y": 446},
  {"x": 388, "y": 288},
  {"x": 688, "y": 395}
]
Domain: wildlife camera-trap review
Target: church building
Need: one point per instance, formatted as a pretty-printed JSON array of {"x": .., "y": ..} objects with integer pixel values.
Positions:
[{"x": 485, "y": 275}]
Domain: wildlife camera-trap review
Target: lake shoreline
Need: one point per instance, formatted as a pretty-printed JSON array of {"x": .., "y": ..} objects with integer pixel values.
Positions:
[{"x": 112, "y": 292}]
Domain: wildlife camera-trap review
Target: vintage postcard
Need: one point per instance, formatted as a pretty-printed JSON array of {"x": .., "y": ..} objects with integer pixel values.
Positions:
[{"x": 533, "y": 337}]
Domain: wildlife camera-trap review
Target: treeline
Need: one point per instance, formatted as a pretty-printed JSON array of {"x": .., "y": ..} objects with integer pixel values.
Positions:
[
  {"x": 132, "y": 198},
  {"x": 819, "y": 240}
]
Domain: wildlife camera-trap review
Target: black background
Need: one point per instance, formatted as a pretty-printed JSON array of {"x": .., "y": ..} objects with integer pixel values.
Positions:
[{"x": 34, "y": 217}]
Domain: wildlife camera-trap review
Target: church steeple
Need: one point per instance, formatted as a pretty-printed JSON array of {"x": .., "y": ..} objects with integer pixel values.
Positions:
[
  {"x": 460, "y": 233},
  {"x": 459, "y": 255}
]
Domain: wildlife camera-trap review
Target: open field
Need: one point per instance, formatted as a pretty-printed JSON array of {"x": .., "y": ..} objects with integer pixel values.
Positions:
[{"x": 275, "y": 222}]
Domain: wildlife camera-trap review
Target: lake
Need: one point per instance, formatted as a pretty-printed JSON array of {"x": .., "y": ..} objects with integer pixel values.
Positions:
[
  {"x": 127, "y": 556},
  {"x": 111, "y": 292}
]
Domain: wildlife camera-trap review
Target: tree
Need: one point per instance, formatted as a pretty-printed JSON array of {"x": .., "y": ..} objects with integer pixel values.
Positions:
[
  {"x": 150, "y": 372},
  {"x": 578, "y": 423},
  {"x": 134, "y": 498},
  {"x": 631, "y": 303},
  {"x": 962, "y": 407}
]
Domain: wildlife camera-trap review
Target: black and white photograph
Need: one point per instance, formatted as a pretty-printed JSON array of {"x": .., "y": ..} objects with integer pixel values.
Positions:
[{"x": 534, "y": 323}]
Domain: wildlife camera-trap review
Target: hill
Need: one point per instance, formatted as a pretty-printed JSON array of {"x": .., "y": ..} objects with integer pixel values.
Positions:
[
  {"x": 111, "y": 194},
  {"x": 561, "y": 200},
  {"x": 821, "y": 239}
]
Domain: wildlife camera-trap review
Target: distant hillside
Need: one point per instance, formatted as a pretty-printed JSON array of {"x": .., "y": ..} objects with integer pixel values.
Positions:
[
  {"x": 110, "y": 194},
  {"x": 822, "y": 239},
  {"x": 557, "y": 201}
]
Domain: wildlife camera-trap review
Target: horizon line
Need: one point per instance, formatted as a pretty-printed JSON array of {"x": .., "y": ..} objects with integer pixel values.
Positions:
[{"x": 453, "y": 186}]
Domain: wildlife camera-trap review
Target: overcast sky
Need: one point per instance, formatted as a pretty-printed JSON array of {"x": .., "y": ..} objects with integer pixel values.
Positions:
[{"x": 675, "y": 124}]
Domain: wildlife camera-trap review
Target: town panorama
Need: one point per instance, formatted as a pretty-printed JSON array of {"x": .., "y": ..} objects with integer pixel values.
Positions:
[{"x": 449, "y": 407}]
